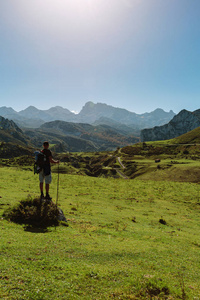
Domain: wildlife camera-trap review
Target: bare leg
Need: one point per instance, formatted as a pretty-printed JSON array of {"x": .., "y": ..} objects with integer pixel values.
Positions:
[
  {"x": 47, "y": 188},
  {"x": 41, "y": 187}
]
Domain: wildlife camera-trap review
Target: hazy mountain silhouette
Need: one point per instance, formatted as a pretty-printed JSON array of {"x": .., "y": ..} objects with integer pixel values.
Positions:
[{"x": 32, "y": 117}]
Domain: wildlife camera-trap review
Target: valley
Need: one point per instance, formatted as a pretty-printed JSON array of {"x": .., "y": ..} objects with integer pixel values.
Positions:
[{"x": 172, "y": 160}]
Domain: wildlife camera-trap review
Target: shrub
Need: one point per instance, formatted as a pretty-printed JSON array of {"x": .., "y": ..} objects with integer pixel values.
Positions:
[{"x": 34, "y": 212}]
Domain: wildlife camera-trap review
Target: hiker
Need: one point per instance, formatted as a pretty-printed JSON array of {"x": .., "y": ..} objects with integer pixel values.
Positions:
[{"x": 45, "y": 173}]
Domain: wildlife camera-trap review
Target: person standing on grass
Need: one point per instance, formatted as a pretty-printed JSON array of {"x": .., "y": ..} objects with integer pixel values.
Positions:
[{"x": 45, "y": 173}]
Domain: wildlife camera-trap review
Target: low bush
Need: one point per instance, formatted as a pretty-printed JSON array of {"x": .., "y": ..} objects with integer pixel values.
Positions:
[{"x": 34, "y": 212}]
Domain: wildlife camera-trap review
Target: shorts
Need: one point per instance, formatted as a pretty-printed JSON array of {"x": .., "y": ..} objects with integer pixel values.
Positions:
[{"x": 47, "y": 178}]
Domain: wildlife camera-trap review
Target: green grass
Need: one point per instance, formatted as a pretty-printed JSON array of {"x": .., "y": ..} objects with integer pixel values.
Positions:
[
  {"x": 114, "y": 248},
  {"x": 185, "y": 170}
]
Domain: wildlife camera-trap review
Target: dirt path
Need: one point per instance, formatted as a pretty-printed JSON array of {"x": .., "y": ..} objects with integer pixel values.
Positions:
[
  {"x": 120, "y": 162},
  {"x": 123, "y": 167},
  {"x": 121, "y": 174}
]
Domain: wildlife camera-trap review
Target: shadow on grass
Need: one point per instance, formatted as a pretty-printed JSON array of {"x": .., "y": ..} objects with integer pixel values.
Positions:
[{"x": 34, "y": 229}]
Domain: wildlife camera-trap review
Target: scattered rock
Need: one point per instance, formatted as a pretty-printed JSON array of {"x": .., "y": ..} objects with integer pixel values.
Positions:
[
  {"x": 157, "y": 160},
  {"x": 162, "y": 221}
]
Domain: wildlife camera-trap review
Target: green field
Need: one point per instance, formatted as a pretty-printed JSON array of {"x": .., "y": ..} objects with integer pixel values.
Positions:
[{"x": 115, "y": 247}]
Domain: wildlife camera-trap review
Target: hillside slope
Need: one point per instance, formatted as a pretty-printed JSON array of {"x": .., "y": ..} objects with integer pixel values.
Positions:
[
  {"x": 103, "y": 137},
  {"x": 191, "y": 137}
]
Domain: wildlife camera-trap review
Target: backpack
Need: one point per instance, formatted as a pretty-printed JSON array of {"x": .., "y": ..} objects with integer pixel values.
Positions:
[{"x": 40, "y": 159}]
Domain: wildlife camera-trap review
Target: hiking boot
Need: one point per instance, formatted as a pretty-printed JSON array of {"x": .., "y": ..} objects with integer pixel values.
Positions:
[
  {"x": 42, "y": 196},
  {"x": 48, "y": 197}
]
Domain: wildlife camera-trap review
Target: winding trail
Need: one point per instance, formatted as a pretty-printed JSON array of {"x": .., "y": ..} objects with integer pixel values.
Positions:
[
  {"x": 120, "y": 162},
  {"x": 123, "y": 167},
  {"x": 121, "y": 174}
]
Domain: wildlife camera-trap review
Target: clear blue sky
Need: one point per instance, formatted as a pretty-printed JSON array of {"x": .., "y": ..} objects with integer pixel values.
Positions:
[{"x": 133, "y": 54}]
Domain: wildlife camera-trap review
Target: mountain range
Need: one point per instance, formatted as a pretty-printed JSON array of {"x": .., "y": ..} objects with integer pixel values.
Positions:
[
  {"x": 91, "y": 113},
  {"x": 66, "y": 136},
  {"x": 97, "y": 127},
  {"x": 105, "y": 127}
]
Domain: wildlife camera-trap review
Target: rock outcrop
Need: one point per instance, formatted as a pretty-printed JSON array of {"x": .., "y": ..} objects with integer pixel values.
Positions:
[{"x": 183, "y": 122}]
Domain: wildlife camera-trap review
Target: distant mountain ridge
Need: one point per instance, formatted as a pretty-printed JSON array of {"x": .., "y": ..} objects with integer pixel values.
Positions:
[
  {"x": 182, "y": 123},
  {"x": 98, "y": 127},
  {"x": 103, "y": 135},
  {"x": 81, "y": 136},
  {"x": 66, "y": 136},
  {"x": 32, "y": 117},
  {"x": 52, "y": 114},
  {"x": 93, "y": 112}
]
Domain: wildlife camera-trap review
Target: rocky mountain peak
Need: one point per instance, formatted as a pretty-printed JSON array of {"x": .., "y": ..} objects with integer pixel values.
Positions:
[{"x": 181, "y": 123}]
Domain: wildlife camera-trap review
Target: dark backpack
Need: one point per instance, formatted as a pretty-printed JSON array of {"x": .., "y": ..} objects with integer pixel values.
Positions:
[{"x": 40, "y": 159}]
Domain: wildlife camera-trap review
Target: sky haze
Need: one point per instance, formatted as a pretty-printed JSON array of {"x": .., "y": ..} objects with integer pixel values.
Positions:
[{"x": 133, "y": 54}]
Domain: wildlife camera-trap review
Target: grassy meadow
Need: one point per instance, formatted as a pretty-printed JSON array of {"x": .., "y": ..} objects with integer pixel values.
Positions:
[{"x": 127, "y": 239}]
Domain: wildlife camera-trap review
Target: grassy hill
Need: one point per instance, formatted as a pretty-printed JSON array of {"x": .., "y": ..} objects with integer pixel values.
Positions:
[
  {"x": 191, "y": 137},
  {"x": 125, "y": 240},
  {"x": 173, "y": 160}
]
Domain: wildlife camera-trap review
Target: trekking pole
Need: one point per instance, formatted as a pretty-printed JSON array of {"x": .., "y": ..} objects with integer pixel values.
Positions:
[{"x": 57, "y": 186}]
